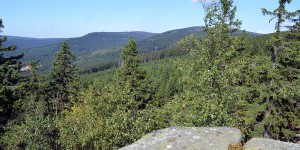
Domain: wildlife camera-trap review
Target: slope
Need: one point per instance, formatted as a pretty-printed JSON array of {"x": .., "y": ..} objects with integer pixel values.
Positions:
[
  {"x": 43, "y": 50},
  {"x": 156, "y": 47},
  {"x": 100, "y": 50}
]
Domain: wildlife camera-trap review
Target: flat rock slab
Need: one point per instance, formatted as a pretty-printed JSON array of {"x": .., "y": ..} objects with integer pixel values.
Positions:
[
  {"x": 188, "y": 138},
  {"x": 269, "y": 144}
]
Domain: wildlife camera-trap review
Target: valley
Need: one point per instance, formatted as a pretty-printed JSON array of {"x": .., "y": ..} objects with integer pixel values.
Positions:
[{"x": 100, "y": 50}]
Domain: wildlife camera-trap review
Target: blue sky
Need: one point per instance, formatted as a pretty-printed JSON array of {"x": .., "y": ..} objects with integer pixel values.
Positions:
[{"x": 74, "y": 18}]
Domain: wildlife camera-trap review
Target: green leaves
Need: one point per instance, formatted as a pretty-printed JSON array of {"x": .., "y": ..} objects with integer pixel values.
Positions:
[{"x": 210, "y": 93}]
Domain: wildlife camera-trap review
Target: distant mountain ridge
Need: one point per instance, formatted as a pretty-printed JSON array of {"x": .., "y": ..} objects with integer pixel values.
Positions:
[
  {"x": 167, "y": 39},
  {"x": 99, "y": 48},
  {"x": 44, "y": 49},
  {"x": 171, "y": 38},
  {"x": 101, "y": 40},
  {"x": 28, "y": 42}
]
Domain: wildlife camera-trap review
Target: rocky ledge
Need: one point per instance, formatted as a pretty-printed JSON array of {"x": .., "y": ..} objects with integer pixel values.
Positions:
[
  {"x": 269, "y": 144},
  {"x": 189, "y": 138},
  {"x": 204, "y": 138}
]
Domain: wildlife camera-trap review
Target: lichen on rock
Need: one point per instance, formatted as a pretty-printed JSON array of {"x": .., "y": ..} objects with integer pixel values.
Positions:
[
  {"x": 177, "y": 138},
  {"x": 269, "y": 144}
]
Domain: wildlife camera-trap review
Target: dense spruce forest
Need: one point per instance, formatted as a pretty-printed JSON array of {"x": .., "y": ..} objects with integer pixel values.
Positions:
[{"x": 218, "y": 75}]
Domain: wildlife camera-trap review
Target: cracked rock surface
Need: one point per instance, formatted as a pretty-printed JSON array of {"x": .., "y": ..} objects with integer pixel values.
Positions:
[
  {"x": 189, "y": 138},
  {"x": 269, "y": 144}
]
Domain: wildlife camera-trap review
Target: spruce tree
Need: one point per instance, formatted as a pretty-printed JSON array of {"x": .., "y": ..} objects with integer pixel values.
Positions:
[
  {"x": 274, "y": 103},
  {"x": 110, "y": 115},
  {"x": 9, "y": 79},
  {"x": 64, "y": 79},
  {"x": 132, "y": 79},
  {"x": 33, "y": 128},
  {"x": 131, "y": 94}
]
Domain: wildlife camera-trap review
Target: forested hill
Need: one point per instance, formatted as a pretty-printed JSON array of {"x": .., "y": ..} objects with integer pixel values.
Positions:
[
  {"x": 43, "y": 50},
  {"x": 91, "y": 41},
  {"x": 153, "y": 48},
  {"x": 102, "y": 40},
  {"x": 170, "y": 38},
  {"x": 26, "y": 42},
  {"x": 167, "y": 39},
  {"x": 99, "y": 50}
]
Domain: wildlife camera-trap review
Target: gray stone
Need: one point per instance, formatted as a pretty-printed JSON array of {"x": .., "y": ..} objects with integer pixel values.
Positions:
[
  {"x": 188, "y": 138},
  {"x": 269, "y": 144}
]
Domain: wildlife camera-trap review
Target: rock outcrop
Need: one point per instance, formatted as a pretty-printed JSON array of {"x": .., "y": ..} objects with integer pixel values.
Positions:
[
  {"x": 269, "y": 144},
  {"x": 188, "y": 138}
]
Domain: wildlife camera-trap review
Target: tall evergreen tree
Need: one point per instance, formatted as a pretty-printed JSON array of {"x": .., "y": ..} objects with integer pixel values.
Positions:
[
  {"x": 33, "y": 128},
  {"x": 132, "y": 79},
  {"x": 276, "y": 93},
  {"x": 64, "y": 79},
  {"x": 131, "y": 94},
  {"x": 9, "y": 78}
]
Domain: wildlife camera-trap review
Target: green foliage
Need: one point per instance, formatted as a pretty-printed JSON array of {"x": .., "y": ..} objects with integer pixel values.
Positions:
[
  {"x": 100, "y": 122},
  {"x": 132, "y": 95},
  {"x": 103, "y": 78},
  {"x": 222, "y": 82},
  {"x": 210, "y": 93},
  {"x": 9, "y": 79},
  {"x": 132, "y": 80},
  {"x": 272, "y": 82},
  {"x": 33, "y": 132},
  {"x": 221, "y": 78},
  {"x": 30, "y": 134},
  {"x": 64, "y": 79},
  {"x": 34, "y": 127},
  {"x": 85, "y": 125},
  {"x": 112, "y": 116}
]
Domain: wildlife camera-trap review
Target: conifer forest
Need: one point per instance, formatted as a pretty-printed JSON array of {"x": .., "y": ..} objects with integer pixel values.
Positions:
[{"x": 223, "y": 77}]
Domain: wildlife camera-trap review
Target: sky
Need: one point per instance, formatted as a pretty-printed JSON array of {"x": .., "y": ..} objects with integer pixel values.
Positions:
[{"x": 75, "y": 18}]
